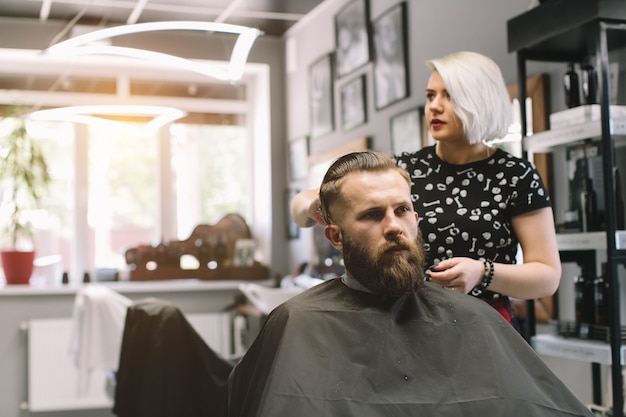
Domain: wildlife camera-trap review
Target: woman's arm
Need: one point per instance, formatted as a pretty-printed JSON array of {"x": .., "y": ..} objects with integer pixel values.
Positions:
[
  {"x": 537, "y": 277},
  {"x": 540, "y": 274},
  {"x": 304, "y": 207}
]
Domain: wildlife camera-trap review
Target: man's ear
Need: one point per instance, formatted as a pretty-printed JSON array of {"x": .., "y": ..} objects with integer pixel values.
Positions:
[{"x": 333, "y": 234}]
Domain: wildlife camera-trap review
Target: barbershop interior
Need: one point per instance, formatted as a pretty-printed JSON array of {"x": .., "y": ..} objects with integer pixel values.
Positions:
[{"x": 151, "y": 150}]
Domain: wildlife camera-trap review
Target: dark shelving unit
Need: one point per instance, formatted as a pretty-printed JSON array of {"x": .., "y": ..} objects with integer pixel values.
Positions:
[{"x": 571, "y": 31}]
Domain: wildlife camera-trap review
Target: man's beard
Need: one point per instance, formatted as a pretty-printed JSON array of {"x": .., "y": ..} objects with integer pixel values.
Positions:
[{"x": 383, "y": 273}]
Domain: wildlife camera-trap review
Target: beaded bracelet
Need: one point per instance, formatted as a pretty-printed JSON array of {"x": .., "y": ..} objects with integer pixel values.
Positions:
[{"x": 487, "y": 278}]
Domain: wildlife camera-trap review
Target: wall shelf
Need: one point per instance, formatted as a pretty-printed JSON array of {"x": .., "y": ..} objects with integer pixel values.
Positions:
[
  {"x": 560, "y": 30},
  {"x": 576, "y": 349},
  {"x": 589, "y": 241},
  {"x": 549, "y": 139},
  {"x": 577, "y": 31}
]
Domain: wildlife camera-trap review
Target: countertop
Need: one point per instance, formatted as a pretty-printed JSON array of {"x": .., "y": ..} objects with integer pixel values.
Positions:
[{"x": 175, "y": 285}]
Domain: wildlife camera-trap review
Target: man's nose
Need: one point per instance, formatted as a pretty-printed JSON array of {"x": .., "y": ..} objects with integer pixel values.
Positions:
[{"x": 392, "y": 226}]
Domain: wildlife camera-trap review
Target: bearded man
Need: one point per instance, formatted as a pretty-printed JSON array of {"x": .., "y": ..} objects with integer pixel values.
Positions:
[{"x": 380, "y": 340}]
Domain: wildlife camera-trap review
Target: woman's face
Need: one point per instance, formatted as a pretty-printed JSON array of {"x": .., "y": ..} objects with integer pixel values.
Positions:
[{"x": 443, "y": 123}]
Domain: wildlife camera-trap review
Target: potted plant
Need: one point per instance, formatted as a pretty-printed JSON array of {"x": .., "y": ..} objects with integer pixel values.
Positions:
[{"x": 24, "y": 178}]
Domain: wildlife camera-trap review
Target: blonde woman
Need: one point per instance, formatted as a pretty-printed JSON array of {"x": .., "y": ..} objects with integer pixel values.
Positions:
[{"x": 475, "y": 203}]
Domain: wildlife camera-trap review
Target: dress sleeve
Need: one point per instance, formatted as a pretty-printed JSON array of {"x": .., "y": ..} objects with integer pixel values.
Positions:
[{"x": 530, "y": 192}]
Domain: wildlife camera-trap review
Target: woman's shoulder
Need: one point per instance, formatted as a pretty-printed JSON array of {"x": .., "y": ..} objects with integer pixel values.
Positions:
[
  {"x": 502, "y": 157},
  {"x": 411, "y": 157}
]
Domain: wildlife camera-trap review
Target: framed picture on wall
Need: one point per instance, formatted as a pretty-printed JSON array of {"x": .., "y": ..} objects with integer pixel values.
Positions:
[
  {"x": 321, "y": 96},
  {"x": 353, "y": 104},
  {"x": 298, "y": 158},
  {"x": 406, "y": 131},
  {"x": 391, "y": 82},
  {"x": 292, "y": 230},
  {"x": 352, "y": 37}
]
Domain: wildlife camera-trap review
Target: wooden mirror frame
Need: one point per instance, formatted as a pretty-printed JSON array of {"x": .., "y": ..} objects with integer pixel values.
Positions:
[{"x": 537, "y": 89}]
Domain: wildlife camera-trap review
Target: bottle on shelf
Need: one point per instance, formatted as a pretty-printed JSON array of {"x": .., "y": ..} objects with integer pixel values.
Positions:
[
  {"x": 584, "y": 304},
  {"x": 571, "y": 86},
  {"x": 589, "y": 83},
  {"x": 601, "y": 294},
  {"x": 588, "y": 205}
]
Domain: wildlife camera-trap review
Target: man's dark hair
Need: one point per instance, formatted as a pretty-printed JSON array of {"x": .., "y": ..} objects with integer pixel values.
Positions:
[{"x": 368, "y": 161}]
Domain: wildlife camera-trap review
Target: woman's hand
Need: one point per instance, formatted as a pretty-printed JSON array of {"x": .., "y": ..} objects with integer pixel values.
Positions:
[
  {"x": 460, "y": 274},
  {"x": 314, "y": 210},
  {"x": 305, "y": 207}
]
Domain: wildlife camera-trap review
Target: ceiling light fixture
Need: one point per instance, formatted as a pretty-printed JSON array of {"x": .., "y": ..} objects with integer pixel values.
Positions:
[
  {"x": 102, "y": 113},
  {"x": 86, "y": 44}
]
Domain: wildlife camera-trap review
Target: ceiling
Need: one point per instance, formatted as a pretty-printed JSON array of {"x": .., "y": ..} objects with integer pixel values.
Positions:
[
  {"x": 273, "y": 17},
  {"x": 33, "y": 25}
]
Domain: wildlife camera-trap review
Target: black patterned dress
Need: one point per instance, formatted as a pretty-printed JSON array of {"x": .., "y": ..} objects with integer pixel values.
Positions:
[{"x": 466, "y": 210}]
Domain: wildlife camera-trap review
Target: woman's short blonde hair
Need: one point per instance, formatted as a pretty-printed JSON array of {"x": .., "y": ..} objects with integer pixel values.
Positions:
[{"x": 478, "y": 92}]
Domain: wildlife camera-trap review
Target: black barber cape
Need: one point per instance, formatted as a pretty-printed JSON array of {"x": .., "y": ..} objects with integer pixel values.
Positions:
[
  {"x": 336, "y": 351},
  {"x": 166, "y": 369}
]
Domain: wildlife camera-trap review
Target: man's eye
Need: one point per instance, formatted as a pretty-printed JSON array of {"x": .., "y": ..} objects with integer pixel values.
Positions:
[{"x": 371, "y": 215}]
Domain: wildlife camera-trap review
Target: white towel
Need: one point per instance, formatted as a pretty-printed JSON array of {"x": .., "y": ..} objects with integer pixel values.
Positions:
[{"x": 99, "y": 314}]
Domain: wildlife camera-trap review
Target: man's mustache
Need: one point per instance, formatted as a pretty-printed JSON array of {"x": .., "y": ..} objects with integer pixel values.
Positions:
[{"x": 395, "y": 245}]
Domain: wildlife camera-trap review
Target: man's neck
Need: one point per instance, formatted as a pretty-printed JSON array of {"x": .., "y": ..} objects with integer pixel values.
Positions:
[{"x": 353, "y": 283}]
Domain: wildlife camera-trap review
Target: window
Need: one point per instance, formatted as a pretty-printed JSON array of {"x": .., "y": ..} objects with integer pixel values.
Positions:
[
  {"x": 208, "y": 175},
  {"x": 122, "y": 193},
  {"x": 211, "y": 170},
  {"x": 113, "y": 190}
]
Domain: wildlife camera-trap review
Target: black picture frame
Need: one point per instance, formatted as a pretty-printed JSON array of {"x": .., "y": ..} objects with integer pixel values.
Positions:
[
  {"x": 353, "y": 103},
  {"x": 391, "y": 81},
  {"x": 321, "y": 92},
  {"x": 406, "y": 131},
  {"x": 352, "y": 37},
  {"x": 292, "y": 230},
  {"x": 298, "y": 158}
]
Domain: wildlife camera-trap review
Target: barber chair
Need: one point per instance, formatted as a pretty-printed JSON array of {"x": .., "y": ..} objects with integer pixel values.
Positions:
[{"x": 166, "y": 369}]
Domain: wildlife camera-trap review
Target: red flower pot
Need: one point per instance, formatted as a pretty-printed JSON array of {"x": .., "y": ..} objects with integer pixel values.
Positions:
[{"x": 17, "y": 266}]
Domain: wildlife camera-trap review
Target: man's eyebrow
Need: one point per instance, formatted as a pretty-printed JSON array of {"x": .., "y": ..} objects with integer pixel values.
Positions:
[
  {"x": 368, "y": 209},
  {"x": 379, "y": 207}
]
